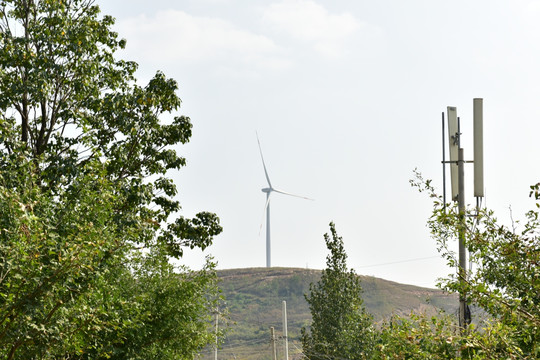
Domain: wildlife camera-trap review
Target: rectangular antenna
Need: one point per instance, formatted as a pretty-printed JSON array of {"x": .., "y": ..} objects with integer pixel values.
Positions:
[
  {"x": 453, "y": 145},
  {"x": 478, "y": 131}
]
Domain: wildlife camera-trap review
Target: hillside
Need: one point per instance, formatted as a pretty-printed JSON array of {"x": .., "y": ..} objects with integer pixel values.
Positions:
[{"x": 254, "y": 301}]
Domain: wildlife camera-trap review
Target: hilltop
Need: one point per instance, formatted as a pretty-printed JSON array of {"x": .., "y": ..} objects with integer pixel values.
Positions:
[{"x": 254, "y": 302}]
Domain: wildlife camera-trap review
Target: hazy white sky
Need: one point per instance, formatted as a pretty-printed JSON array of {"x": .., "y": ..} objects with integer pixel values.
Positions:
[{"x": 346, "y": 97}]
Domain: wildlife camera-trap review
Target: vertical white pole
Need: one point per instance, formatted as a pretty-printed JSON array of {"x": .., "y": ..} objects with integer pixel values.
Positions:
[
  {"x": 273, "y": 339},
  {"x": 285, "y": 330},
  {"x": 268, "y": 245}
]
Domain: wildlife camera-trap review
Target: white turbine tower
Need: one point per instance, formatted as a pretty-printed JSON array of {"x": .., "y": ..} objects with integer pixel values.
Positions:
[{"x": 269, "y": 190}]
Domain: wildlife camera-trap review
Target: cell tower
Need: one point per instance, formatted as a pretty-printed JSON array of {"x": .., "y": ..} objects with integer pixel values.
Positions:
[{"x": 457, "y": 182}]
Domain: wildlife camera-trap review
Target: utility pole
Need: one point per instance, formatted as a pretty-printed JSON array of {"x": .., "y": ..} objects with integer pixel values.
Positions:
[
  {"x": 286, "y": 340},
  {"x": 273, "y": 340},
  {"x": 457, "y": 173},
  {"x": 216, "y": 343},
  {"x": 464, "y": 314}
]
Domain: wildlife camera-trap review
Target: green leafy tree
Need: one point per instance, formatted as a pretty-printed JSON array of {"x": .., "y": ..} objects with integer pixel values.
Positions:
[
  {"x": 67, "y": 102},
  {"x": 72, "y": 286},
  {"x": 418, "y": 337},
  {"x": 168, "y": 321},
  {"x": 340, "y": 328},
  {"x": 88, "y": 215},
  {"x": 53, "y": 256},
  {"x": 505, "y": 281}
]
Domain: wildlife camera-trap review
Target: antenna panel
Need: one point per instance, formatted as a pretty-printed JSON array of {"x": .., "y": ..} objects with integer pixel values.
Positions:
[
  {"x": 453, "y": 144},
  {"x": 478, "y": 131}
]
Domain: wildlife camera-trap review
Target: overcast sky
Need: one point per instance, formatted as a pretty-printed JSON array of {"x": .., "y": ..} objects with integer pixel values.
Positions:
[{"x": 346, "y": 97}]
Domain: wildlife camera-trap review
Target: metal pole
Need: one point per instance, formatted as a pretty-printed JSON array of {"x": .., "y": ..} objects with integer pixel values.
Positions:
[
  {"x": 216, "y": 344},
  {"x": 464, "y": 318},
  {"x": 273, "y": 339},
  {"x": 286, "y": 342},
  {"x": 459, "y": 133},
  {"x": 443, "y": 164}
]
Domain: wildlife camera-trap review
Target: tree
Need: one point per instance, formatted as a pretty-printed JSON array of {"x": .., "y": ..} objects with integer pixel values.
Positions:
[
  {"x": 505, "y": 284},
  {"x": 84, "y": 192},
  {"x": 68, "y": 290},
  {"x": 506, "y": 278},
  {"x": 341, "y": 328},
  {"x": 66, "y": 102},
  {"x": 52, "y": 255},
  {"x": 418, "y": 337},
  {"x": 172, "y": 314}
]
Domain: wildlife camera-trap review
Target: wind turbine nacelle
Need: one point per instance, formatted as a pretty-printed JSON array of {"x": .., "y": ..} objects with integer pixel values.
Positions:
[{"x": 266, "y": 190}]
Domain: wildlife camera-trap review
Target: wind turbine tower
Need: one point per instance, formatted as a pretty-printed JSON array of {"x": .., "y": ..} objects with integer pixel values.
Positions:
[{"x": 269, "y": 190}]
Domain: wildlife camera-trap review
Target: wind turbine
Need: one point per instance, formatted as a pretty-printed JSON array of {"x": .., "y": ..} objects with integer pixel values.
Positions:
[{"x": 269, "y": 190}]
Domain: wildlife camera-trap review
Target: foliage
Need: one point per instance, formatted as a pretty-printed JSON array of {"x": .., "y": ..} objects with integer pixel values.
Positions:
[
  {"x": 340, "y": 326},
  {"x": 53, "y": 255},
  {"x": 505, "y": 284},
  {"x": 417, "y": 337},
  {"x": 506, "y": 279},
  {"x": 86, "y": 207},
  {"x": 174, "y": 310},
  {"x": 439, "y": 337},
  {"x": 67, "y": 102},
  {"x": 254, "y": 299},
  {"x": 71, "y": 286}
]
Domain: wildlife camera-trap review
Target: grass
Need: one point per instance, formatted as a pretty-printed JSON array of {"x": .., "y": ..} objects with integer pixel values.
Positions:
[{"x": 254, "y": 303}]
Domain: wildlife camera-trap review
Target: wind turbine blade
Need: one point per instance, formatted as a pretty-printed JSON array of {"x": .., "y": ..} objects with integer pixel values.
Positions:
[
  {"x": 264, "y": 165},
  {"x": 264, "y": 213},
  {"x": 286, "y": 193}
]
